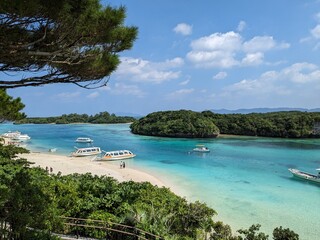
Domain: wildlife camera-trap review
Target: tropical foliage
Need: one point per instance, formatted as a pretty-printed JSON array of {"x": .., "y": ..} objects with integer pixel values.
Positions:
[
  {"x": 181, "y": 123},
  {"x": 10, "y": 108},
  {"x": 292, "y": 124},
  {"x": 63, "y": 41},
  {"x": 103, "y": 117},
  {"x": 31, "y": 198},
  {"x": 208, "y": 124}
]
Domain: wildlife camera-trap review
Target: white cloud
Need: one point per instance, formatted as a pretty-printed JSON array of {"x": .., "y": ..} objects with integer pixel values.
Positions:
[
  {"x": 93, "y": 95},
  {"x": 180, "y": 93},
  {"x": 229, "y": 41},
  {"x": 315, "y": 32},
  {"x": 253, "y": 59},
  {"x": 125, "y": 89},
  {"x": 140, "y": 70},
  {"x": 220, "y": 75},
  {"x": 184, "y": 82},
  {"x": 241, "y": 26},
  {"x": 259, "y": 43},
  {"x": 297, "y": 79},
  {"x": 183, "y": 28},
  {"x": 225, "y": 50},
  {"x": 302, "y": 73}
]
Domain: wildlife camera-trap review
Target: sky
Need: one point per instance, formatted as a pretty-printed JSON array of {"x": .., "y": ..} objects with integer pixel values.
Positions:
[{"x": 202, "y": 55}]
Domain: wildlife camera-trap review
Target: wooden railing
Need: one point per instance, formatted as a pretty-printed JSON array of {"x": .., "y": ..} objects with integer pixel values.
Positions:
[{"x": 118, "y": 231}]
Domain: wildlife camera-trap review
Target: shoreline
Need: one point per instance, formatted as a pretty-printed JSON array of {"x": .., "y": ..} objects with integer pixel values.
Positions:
[{"x": 69, "y": 165}]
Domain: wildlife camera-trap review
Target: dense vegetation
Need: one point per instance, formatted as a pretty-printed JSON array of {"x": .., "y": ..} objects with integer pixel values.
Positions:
[
  {"x": 208, "y": 124},
  {"x": 62, "y": 41},
  {"x": 31, "y": 198},
  {"x": 10, "y": 108},
  {"x": 103, "y": 117},
  {"x": 181, "y": 123},
  {"x": 292, "y": 124}
]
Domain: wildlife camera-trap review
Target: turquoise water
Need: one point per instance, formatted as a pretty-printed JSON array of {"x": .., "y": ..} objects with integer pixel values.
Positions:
[{"x": 245, "y": 179}]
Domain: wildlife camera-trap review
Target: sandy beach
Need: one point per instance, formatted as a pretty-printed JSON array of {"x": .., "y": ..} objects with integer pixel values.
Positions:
[{"x": 68, "y": 165}]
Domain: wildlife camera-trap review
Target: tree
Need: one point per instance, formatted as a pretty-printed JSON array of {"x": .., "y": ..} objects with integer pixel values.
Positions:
[
  {"x": 62, "y": 41},
  {"x": 252, "y": 233},
  {"x": 284, "y": 234},
  {"x": 9, "y": 107}
]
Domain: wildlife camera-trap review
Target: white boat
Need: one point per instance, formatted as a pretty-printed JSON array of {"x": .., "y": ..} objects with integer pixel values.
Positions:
[
  {"x": 21, "y": 137},
  {"x": 10, "y": 134},
  {"x": 52, "y": 149},
  {"x": 116, "y": 155},
  {"x": 201, "y": 148},
  {"x": 84, "y": 140},
  {"x": 83, "y": 152},
  {"x": 306, "y": 176},
  {"x": 17, "y": 136}
]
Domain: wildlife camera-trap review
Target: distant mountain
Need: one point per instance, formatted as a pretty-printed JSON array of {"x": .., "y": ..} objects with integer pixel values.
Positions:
[
  {"x": 263, "y": 110},
  {"x": 125, "y": 114}
]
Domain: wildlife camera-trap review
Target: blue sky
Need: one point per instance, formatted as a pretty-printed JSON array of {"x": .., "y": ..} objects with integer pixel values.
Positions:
[{"x": 202, "y": 55}]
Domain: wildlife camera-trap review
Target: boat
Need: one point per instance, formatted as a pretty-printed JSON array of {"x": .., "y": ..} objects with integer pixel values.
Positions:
[
  {"x": 10, "y": 134},
  {"x": 116, "y": 155},
  {"x": 306, "y": 176},
  {"x": 17, "y": 136},
  {"x": 21, "y": 137},
  {"x": 201, "y": 148},
  {"x": 83, "y": 152},
  {"x": 84, "y": 140}
]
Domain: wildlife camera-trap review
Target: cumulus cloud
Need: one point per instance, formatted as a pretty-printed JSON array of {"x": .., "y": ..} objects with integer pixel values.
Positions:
[
  {"x": 315, "y": 32},
  {"x": 225, "y": 50},
  {"x": 314, "y": 35},
  {"x": 121, "y": 89},
  {"x": 183, "y": 28},
  {"x": 140, "y": 70},
  {"x": 241, "y": 26},
  {"x": 253, "y": 59},
  {"x": 290, "y": 82},
  {"x": 220, "y": 75}
]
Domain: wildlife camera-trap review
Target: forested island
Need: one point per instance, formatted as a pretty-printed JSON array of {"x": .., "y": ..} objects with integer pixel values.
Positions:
[
  {"x": 102, "y": 117},
  {"x": 183, "y": 123},
  {"x": 186, "y": 123}
]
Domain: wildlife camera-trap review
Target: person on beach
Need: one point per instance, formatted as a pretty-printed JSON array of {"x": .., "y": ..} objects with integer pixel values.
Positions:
[{"x": 121, "y": 165}]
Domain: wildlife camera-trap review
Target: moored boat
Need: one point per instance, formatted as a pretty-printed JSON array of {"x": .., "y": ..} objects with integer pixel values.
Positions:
[
  {"x": 16, "y": 135},
  {"x": 201, "y": 148},
  {"x": 84, "y": 140},
  {"x": 116, "y": 155},
  {"x": 83, "y": 152},
  {"x": 306, "y": 176},
  {"x": 21, "y": 137}
]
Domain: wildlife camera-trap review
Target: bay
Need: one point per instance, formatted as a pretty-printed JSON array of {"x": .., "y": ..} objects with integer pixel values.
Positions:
[{"x": 245, "y": 179}]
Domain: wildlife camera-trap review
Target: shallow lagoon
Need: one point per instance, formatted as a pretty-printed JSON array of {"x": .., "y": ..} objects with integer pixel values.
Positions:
[{"x": 245, "y": 179}]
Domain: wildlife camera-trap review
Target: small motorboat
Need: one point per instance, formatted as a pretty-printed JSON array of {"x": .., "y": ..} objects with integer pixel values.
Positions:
[
  {"x": 84, "y": 140},
  {"x": 306, "y": 176},
  {"x": 201, "y": 148}
]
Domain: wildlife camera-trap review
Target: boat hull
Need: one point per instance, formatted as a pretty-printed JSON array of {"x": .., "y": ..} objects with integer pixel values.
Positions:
[{"x": 305, "y": 176}]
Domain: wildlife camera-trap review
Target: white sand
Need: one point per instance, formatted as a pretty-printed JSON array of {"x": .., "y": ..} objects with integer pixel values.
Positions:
[{"x": 68, "y": 165}]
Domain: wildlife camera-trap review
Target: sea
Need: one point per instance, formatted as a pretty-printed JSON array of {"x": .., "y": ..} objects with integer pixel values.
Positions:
[{"x": 245, "y": 179}]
